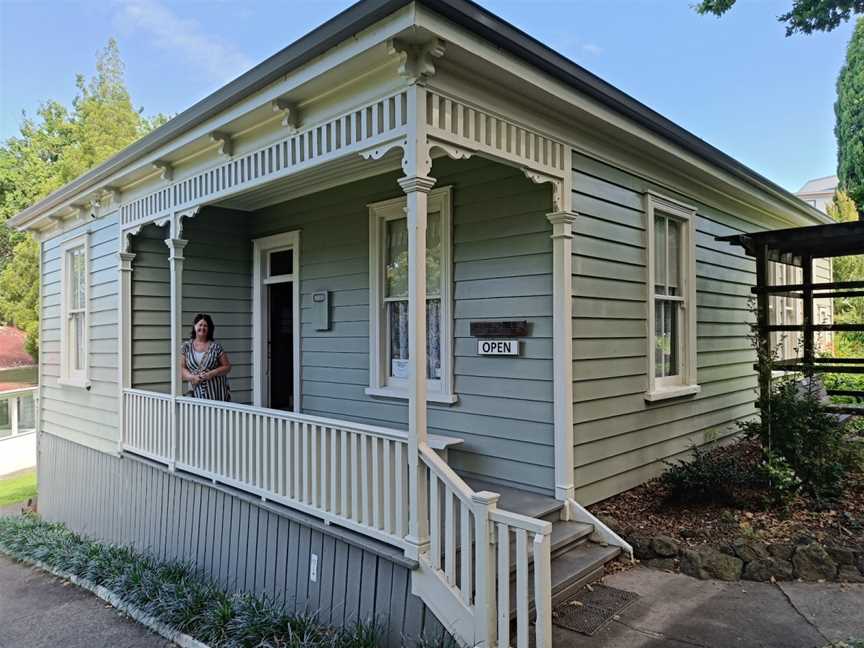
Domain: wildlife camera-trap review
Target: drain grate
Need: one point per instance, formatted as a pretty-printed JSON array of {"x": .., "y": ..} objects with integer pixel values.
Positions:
[{"x": 590, "y": 610}]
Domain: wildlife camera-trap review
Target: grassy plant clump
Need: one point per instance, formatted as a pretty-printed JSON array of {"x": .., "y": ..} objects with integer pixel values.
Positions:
[{"x": 174, "y": 593}]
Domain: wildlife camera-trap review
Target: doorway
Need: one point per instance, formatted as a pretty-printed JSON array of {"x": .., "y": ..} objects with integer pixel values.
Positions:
[
  {"x": 281, "y": 345},
  {"x": 276, "y": 322}
]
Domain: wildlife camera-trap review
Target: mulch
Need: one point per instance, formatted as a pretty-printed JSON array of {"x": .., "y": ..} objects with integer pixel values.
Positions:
[{"x": 646, "y": 510}]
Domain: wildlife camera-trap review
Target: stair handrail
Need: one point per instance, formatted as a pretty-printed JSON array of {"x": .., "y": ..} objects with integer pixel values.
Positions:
[{"x": 489, "y": 607}]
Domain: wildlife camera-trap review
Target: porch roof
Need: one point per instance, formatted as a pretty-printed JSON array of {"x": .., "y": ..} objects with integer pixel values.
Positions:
[{"x": 462, "y": 12}]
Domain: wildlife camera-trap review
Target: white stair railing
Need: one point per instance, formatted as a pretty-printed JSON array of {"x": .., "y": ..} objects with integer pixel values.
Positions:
[
  {"x": 147, "y": 424},
  {"x": 466, "y": 574}
]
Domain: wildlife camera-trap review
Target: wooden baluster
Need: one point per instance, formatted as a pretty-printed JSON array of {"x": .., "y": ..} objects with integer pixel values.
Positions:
[
  {"x": 376, "y": 482},
  {"x": 503, "y": 585},
  {"x": 272, "y": 433},
  {"x": 295, "y": 444},
  {"x": 345, "y": 474},
  {"x": 434, "y": 521},
  {"x": 313, "y": 461},
  {"x": 388, "y": 485},
  {"x": 399, "y": 487},
  {"x": 334, "y": 470},
  {"x": 304, "y": 465},
  {"x": 449, "y": 537},
  {"x": 365, "y": 479},
  {"x": 521, "y": 588},
  {"x": 355, "y": 479},
  {"x": 465, "y": 552}
]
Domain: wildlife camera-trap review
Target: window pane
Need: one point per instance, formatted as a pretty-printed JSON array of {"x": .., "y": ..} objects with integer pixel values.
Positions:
[
  {"x": 666, "y": 338},
  {"x": 397, "y": 322},
  {"x": 433, "y": 338},
  {"x": 77, "y": 278},
  {"x": 26, "y": 413},
  {"x": 433, "y": 255},
  {"x": 660, "y": 255},
  {"x": 281, "y": 263},
  {"x": 5, "y": 423},
  {"x": 78, "y": 341},
  {"x": 396, "y": 259},
  {"x": 674, "y": 256}
]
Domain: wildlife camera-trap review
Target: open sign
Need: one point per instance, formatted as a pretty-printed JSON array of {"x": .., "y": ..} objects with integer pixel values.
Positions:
[{"x": 498, "y": 347}]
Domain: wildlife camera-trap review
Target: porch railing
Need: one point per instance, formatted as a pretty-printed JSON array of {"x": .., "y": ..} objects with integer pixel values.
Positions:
[{"x": 356, "y": 476}]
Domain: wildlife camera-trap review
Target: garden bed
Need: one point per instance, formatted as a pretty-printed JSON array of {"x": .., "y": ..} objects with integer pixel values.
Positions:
[{"x": 750, "y": 526}]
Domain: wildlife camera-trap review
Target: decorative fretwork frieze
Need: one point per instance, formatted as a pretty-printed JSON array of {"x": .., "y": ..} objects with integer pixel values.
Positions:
[
  {"x": 349, "y": 133},
  {"x": 476, "y": 129}
]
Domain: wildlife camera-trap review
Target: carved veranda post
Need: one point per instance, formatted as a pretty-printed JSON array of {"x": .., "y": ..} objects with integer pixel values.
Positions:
[{"x": 415, "y": 65}]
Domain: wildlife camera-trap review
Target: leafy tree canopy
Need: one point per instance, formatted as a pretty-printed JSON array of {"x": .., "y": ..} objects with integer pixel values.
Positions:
[
  {"x": 849, "y": 111},
  {"x": 847, "y": 310},
  {"x": 806, "y": 16},
  {"x": 53, "y": 148}
]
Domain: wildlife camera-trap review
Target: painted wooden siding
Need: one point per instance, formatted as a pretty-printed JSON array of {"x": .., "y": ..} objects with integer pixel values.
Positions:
[
  {"x": 85, "y": 416},
  {"x": 151, "y": 311},
  {"x": 502, "y": 264},
  {"x": 620, "y": 439},
  {"x": 240, "y": 543},
  {"x": 217, "y": 279}
]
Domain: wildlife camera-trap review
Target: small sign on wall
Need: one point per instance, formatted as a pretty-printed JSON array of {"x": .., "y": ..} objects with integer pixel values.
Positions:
[{"x": 498, "y": 347}]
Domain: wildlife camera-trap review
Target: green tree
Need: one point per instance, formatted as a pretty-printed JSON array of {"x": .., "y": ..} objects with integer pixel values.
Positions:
[
  {"x": 847, "y": 310},
  {"x": 52, "y": 149},
  {"x": 806, "y": 16},
  {"x": 849, "y": 111}
]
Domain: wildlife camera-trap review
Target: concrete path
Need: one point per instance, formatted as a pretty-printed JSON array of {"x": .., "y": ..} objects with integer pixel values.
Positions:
[
  {"x": 678, "y": 611},
  {"x": 40, "y": 611}
]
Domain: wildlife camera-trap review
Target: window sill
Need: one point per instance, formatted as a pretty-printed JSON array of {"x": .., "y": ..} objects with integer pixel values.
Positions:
[
  {"x": 431, "y": 397},
  {"x": 672, "y": 392},
  {"x": 81, "y": 383}
]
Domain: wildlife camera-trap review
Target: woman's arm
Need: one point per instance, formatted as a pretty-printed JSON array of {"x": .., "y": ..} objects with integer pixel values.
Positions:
[
  {"x": 185, "y": 373},
  {"x": 222, "y": 370}
]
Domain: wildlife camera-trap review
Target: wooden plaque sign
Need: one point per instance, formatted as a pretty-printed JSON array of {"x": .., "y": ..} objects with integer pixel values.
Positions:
[{"x": 517, "y": 328}]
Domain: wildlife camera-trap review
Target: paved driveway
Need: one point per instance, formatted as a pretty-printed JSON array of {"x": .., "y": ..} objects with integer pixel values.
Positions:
[
  {"x": 677, "y": 611},
  {"x": 40, "y": 611}
]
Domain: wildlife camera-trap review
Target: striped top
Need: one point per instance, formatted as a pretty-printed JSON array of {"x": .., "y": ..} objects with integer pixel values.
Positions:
[{"x": 216, "y": 388}]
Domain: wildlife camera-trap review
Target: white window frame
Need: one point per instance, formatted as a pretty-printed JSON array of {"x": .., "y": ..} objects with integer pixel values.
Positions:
[
  {"x": 685, "y": 382},
  {"x": 380, "y": 381},
  {"x": 69, "y": 376}
]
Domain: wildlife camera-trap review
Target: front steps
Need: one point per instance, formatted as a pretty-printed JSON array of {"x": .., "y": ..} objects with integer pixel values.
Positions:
[{"x": 576, "y": 559}]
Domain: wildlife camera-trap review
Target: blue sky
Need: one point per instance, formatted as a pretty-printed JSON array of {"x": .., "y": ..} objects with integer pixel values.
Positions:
[{"x": 736, "y": 82}]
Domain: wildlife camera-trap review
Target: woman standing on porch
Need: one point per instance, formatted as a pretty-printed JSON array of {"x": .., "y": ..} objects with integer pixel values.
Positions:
[{"x": 205, "y": 363}]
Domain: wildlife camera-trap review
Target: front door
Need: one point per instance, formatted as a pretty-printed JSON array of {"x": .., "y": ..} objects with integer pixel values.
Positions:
[
  {"x": 281, "y": 345},
  {"x": 276, "y": 321}
]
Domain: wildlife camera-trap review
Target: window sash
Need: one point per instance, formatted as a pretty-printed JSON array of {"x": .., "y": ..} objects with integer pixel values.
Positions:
[{"x": 74, "y": 349}]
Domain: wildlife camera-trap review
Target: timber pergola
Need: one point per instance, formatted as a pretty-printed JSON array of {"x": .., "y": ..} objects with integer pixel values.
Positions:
[{"x": 798, "y": 247}]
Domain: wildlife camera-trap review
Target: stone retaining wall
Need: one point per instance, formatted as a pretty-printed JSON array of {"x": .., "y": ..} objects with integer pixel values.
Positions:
[{"x": 748, "y": 559}]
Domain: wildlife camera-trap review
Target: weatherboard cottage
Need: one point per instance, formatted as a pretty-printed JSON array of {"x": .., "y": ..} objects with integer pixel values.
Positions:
[{"x": 467, "y": 289}]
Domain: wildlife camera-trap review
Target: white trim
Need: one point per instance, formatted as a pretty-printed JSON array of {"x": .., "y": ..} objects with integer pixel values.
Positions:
[
  {"x": 261, "y": 249},
  {"x": 68, "y": 376},
  {"x": 685, "y": 382},
  {"x": 380, "y": 384}
]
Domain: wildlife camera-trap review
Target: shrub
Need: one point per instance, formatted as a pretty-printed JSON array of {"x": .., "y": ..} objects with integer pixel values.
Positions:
[
  {"x": 175, "y": 593},
  {"x": 803, "y": 432},
  {"x": 711, "y": 476}
]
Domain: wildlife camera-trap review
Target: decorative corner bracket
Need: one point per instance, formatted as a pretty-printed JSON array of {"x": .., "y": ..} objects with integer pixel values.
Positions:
[
  {"x": 537, "y": 177},
  {"x": 377, "y": 152},
  {"x": 179, "y": 216},
  {"x": 114, "y": 195},
  {"x": 226, "y": 144},
  {"x": 290, "y": 113},
  {"x": 166, "y": 169},
  {"x": 126, "y": 238},
  {"x": 416, "y": 60}
]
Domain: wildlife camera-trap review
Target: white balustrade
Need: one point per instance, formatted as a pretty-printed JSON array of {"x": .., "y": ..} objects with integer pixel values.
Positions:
[
  {"x": 18, "y": 411},
  {"x": 351, "y": 474},
  {"x": 148, "y": 423}
]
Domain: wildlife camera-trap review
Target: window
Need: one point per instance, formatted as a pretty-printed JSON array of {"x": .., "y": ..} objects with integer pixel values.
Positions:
[
  {"x": 785, "y": 310},
  {"x": 388, "y": 315},
  {"x": 74, "y": 326},
  {"x": 672, "y": 302}
]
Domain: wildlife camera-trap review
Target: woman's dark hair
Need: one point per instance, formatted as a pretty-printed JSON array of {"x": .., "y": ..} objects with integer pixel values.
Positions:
[{"x": 211, "y": 327}]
